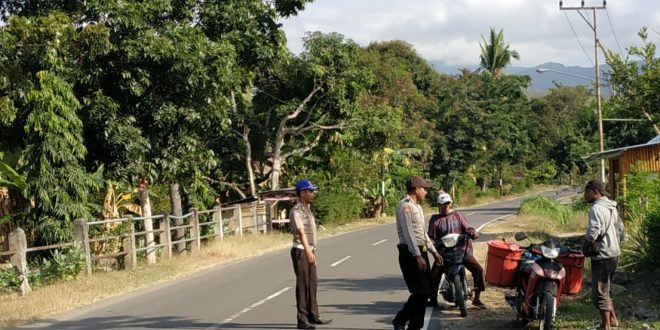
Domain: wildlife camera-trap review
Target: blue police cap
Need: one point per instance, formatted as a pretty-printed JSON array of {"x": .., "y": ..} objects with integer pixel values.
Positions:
[{"x": 305, "y": 184}]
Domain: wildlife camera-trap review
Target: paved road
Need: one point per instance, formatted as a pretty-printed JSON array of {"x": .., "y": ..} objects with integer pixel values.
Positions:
[{"x": 360, "y": 287}]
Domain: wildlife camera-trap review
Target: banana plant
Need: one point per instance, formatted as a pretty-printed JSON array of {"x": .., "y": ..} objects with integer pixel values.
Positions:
[{"x": 13, "y": 192}]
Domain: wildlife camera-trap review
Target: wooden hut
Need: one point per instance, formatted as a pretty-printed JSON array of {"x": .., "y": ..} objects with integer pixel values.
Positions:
[{"x": 638, "y": 158}]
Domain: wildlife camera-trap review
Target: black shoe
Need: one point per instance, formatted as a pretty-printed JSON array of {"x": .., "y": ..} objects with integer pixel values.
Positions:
[
  {"x": 398, "y": 326},
  {"x": 305, "y": 325},
  {"x": 320, "y": 321}
]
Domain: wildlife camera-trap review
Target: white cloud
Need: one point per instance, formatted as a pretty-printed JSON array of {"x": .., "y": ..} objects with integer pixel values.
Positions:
[{"x": 450, "y": 30}]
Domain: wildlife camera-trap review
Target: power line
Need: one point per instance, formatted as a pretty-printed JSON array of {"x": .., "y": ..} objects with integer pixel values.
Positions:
[
  {"x": 578, "y": 39},
  {"x": 613, "y": 33}
]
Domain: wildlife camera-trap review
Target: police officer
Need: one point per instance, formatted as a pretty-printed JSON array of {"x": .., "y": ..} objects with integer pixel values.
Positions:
[
  {"x": 303, "y": 226},
  {"x": 413, "y": 246}
]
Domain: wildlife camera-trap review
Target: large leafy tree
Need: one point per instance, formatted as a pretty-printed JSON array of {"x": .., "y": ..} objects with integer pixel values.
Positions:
[
  {"x": 300, "y": 100},
  {"x": 495, "y": 54},
  {"x": 40, "y": 120},
  {"x": 636, "y": 82},
  {"x": 152, "y": 81}
]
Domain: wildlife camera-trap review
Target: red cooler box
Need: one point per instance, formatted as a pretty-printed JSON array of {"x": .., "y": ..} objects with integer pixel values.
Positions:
[
  {"x": 574, "y": 265},
  {"x": 502, "y": 263}
]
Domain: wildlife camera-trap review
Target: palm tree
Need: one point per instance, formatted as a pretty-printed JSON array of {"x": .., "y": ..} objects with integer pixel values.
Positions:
[{"x": 495, "y": 55}]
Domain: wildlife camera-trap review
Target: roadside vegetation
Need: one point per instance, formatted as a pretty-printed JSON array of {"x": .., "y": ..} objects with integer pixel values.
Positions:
[
  {"x": 635, "y": 294},
  {"x": 112, "y": 108}
]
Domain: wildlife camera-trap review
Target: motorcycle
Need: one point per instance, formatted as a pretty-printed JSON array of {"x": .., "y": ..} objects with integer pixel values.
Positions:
[
  {"x": 453, "y": 283},
  {"x": 538, "y": 283}
]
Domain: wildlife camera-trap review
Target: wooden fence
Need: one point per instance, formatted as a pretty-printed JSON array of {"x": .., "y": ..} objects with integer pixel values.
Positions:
[{"x": 131, "y": 241}]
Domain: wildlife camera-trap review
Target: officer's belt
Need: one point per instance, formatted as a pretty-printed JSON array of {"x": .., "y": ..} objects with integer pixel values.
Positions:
[{"x": 302, "y": 247}]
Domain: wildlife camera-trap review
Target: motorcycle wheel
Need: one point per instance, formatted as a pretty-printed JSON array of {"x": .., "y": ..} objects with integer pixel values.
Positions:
[
  {"x": 548, "y": 309},
  {"x": 459, "y": 297}
]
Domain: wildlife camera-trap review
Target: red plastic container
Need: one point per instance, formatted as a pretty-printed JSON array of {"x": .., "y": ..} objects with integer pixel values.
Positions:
[
  {"x": 502, "y": 263},
  {"x": 574, "y": 265}
]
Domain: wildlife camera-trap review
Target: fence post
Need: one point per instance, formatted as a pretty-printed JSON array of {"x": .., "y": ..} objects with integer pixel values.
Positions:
[
  {"x": 130, "y": 259},
  {"x": 166, "y": 236},
  {"x": 269, "y": 217},
  {"x": 82, "y": 238},
  {"x": 240, "y": 220},
  {"x": 18, "y": 243},
  {"x": 195, "y": 231},
  {"x": 219, "y": 226},
  {"x": 255, "y": 220}
]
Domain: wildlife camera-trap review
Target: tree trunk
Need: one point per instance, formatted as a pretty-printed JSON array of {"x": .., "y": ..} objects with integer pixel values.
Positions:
[
  {"x": 277, "y": 162},
  {"x": 177, "y": 211},
  {"x": 145, "y": 205},
  {"x": 248, "y": 160}
]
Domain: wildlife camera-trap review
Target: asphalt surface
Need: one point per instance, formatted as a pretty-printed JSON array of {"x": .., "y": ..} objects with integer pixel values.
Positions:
[{"x": 360, "y": 287}]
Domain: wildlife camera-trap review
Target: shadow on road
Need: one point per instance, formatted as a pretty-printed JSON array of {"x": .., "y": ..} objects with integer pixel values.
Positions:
[{"x": 124, "y": 322}]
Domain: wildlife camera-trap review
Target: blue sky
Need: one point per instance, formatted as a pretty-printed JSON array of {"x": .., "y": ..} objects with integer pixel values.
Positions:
[{"x": 450, "y": 30}]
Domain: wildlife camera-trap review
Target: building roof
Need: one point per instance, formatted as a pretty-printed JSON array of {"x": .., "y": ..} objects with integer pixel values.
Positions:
[{"x": 607, "y": 154}]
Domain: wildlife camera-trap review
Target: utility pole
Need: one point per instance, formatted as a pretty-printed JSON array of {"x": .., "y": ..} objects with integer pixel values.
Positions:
[{"x": 599, "y": 108}]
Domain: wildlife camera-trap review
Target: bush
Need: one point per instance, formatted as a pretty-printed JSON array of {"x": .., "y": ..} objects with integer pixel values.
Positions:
[
  {"x": 337, "y": 207},
  {"x": 8, "y": 280},
  {"x": 652, "y": 231},
  {"x": 65, "y": 265},
  {"x": 548, "y": 208}
]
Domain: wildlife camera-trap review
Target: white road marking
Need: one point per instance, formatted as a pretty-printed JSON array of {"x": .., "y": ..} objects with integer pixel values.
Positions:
[
  {"x": 340, "y": 261},
  {"x": 471, "y": 213},
  {"x": 496, "y": 219},
  {"x": 257, "y": 304},
  {"x": 427, "y": 317},
  {"x": 379, "y": 242}
]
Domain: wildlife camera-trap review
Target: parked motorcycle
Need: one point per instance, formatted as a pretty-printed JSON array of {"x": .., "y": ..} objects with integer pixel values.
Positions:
[
  {"x": 453, "y": 284},
  {"x": 538, "y": 283}
]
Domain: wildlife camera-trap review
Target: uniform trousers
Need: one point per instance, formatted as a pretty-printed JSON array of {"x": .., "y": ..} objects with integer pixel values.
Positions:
[
  {"x": 418, "y": 284},
  {"x": 306, "y": 281}
]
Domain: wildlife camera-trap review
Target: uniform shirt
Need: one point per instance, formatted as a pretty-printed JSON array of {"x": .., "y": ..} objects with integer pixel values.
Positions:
[
  {"x": 410, "y": 226},
  {"x": 302, "y": 217},
  {"x": 452, "y": 223}
]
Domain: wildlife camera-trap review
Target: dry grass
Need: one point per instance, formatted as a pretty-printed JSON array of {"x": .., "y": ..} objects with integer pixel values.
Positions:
[{"x": 86, "y": 290}]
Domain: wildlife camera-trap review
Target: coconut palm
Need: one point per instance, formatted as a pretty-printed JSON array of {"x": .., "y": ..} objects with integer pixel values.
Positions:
[{"x": 495, "y": 55}]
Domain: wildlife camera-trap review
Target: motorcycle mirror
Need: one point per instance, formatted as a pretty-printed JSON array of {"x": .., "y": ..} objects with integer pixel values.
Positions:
[{"x": 520, "y": 236}]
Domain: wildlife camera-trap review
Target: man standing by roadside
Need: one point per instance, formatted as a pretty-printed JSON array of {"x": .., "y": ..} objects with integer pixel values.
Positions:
[
  {"x": 448, "y": 221},
  {"x": 303, "y": 256},
  {"x": 605, "y": 228},
  {"x": 413, "y": 246}
]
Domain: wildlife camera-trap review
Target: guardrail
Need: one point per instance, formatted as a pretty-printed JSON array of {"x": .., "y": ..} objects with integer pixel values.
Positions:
[{"x": 197, "y": 226}]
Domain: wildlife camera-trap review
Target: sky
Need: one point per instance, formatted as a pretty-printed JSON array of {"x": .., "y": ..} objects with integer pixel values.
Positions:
[{"x": 449, "y": 31}]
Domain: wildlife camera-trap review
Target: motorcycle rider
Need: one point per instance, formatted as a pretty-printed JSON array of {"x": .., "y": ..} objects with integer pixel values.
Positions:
[{"x": 446, "y": 222}]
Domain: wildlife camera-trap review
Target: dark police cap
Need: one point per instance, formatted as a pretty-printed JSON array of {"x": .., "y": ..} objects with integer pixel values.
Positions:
[{"x": 417, "y": 181}]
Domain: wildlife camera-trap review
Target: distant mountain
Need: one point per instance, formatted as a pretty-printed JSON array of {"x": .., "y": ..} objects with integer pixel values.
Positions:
[{"x": 541, "y": 82}]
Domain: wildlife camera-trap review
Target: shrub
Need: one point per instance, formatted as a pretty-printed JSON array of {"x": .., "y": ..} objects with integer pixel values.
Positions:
[
  {"x": 546, "y": 207},
  {"x": 337, "y": 207},
  {"x": 8, "y": 280},
  {"x": 65, "y": 265}
]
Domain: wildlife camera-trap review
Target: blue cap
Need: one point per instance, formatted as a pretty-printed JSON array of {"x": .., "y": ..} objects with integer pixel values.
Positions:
[{"x": 305, "y": 184}]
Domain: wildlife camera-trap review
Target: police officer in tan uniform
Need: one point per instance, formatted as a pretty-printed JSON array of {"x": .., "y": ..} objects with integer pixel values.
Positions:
[
  {"x": 414, "y": 245},
  {"x": 303, "y": 256}
]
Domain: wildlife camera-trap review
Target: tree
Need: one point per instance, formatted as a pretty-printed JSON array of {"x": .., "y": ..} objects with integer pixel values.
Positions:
[
  {"x": 637, "y": 93},
  {"x": 302, "y": 99},
  {"x": 495, "y": 55},
  {"x": 39, "y": 106}
]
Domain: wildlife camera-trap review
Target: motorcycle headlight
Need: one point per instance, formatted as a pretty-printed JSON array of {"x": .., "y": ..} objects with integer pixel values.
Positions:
[
  {"x": 450, "y": 240},
  {"x": 550, "y": 253}
]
